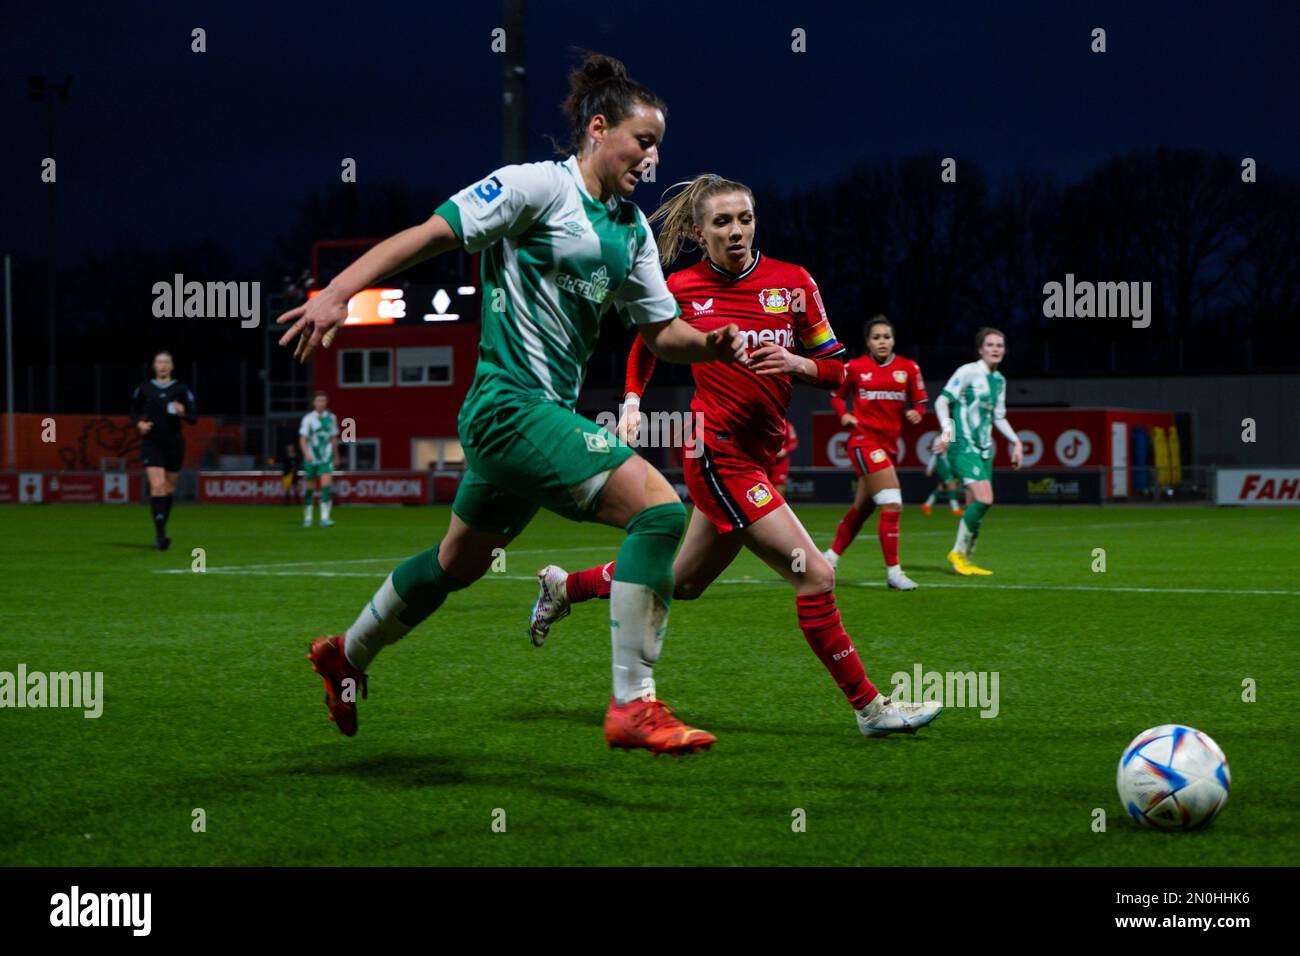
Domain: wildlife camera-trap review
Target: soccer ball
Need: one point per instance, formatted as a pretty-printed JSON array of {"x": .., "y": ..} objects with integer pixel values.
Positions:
[{"x": 1173, "y": 777}]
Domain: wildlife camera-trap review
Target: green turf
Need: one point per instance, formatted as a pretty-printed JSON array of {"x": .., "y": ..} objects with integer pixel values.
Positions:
[{"x": 210, "y": 703}]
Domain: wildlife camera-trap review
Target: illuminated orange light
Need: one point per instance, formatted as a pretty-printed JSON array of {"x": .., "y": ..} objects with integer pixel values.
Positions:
[{"x": 373, "y": 307}]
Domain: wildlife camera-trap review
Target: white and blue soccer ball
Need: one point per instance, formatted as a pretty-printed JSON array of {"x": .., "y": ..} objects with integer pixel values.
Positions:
[{"x": 1173, "y": 777}]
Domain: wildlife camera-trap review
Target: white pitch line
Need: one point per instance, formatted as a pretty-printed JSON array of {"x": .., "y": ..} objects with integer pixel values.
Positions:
[
  {"x": 983, "y": 586},
  {"x": 233, "y": 568},
  {"x": 614, "y": 546}
]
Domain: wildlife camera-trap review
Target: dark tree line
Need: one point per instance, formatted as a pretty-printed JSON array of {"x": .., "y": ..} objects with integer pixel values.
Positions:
[
  {"x": 940, "y": 258},
  {"x": 943, "y": 259}
]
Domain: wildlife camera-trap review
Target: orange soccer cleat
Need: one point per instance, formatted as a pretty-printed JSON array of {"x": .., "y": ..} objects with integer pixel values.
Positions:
[
  {"x": 652, "y": 725},
  {"x": 328, "y": 660},
  {"x": 925, "y": 509}
]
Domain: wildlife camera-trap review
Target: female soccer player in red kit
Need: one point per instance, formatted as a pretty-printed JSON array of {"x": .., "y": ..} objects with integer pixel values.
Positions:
[
  {"x": 878, "y": 384},
  {"x": 728, "y": 472}
]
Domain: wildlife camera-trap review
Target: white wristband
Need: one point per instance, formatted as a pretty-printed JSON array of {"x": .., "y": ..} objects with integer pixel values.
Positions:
[{"x": 631, "y": 398}]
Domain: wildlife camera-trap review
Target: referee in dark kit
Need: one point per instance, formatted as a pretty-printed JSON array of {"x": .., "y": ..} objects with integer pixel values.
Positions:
[{"x": 157, "y": 409}]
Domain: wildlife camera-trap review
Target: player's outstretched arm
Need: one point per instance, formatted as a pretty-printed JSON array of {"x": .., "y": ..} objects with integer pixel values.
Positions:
[
  {"x": 676, "y": 341},
  {"x": 825, "y": 373},
  {"x": 1017, "y": 449},
  {"x": 314, "y": 322},
  {"x": 945, "y": 424},
  {"x": 640, "y": 366}
]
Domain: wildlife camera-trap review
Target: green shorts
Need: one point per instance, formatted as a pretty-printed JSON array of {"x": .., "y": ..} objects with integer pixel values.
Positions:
[
  {"x": 314, "y": 469},
  {"x": 536, "y": 455},
  {"x": 943, "y": 468},
  {"x": 970, "y": 466}
]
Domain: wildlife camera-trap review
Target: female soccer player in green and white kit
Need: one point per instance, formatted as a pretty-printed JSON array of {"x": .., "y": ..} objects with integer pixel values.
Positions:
[
  {"x": 560, "y": 244},
  {"x": 972, "y": 403},
  {"x": 318, "y": 440}
]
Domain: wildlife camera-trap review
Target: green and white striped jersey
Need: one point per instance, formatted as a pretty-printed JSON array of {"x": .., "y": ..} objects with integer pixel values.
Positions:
[
  {"x": 554, "y": 260},
  {"x": 977, "y": 399},
  {"x": 318, "y": 430}
]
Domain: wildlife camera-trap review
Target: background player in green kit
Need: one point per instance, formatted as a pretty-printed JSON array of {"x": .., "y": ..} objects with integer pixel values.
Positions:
[
  {"x": 318, "y": 439},
  {"x": 560, "y": 245},
  {"x": 972, "y": 403}
]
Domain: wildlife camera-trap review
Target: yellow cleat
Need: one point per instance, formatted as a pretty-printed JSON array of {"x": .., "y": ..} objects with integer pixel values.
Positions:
[
  {"x": 972, "y": 568},
  {"x": 959, "y": 562}
]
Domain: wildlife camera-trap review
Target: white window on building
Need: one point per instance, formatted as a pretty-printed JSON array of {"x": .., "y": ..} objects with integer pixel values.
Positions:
[
  {"x": 360, "y": 368},
  {"x": 440, "y": 454},
  {"x": 424, "y": 366}
]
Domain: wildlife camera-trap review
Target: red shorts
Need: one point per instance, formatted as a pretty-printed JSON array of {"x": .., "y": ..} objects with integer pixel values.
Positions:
[
  {"x": 869, "y": 459},
  {"x": 733, "y": 492}
]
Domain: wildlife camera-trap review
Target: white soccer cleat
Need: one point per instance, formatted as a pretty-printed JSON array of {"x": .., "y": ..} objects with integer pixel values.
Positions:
[
  {"x": 885, "y": 716},
  {"x": 552, "y": 602},
  {"x": 831, "y": 557},
  {"x": 901, "y": 582}
]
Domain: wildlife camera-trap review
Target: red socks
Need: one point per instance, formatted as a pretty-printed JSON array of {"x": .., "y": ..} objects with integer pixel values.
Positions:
[
  {"x": 590, "y": 583},
  {"x": 849, "y": 527},
  {"x": 819, "y": 619},
  {"x": 888, "y": 531}
]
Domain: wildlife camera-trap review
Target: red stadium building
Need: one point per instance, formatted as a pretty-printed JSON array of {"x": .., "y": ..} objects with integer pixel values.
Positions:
[{"x": 398, "y": 373}]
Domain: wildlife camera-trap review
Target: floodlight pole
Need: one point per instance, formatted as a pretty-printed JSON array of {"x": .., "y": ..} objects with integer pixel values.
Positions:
[
  {"x": 11, "y": 456},
  {"x": 514, "y": 108}
]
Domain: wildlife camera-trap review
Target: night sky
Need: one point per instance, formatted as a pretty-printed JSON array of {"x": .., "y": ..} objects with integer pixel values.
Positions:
[{"x": 159, "y": 145}]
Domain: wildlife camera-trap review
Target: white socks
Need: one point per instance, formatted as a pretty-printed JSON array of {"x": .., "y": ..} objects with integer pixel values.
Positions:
[
  {"x": 376, "y": 626},
  {"x": 325, "y": 509},
  {"x": 637, "y": 622},
  {"x": 964, "y": 538}
]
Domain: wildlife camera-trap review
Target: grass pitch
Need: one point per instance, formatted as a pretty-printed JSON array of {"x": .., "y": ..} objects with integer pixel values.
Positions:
[{"x": 209, "y": 702}]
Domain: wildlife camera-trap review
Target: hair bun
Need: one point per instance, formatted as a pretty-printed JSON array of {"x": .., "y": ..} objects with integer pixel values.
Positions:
[{"x": 598, "y": 68}]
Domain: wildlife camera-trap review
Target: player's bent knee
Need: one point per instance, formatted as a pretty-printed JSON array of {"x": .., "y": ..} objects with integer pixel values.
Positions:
[
  {"x": 889, "y": 499},
  {"x": 660, "y": 518},
  {"x": 818, "y": 577}
]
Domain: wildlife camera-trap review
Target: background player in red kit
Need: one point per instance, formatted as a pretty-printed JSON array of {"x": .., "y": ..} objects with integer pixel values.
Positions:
[
  {"x": 780, "y": 470},
  {"x": 773, "y": 303},
  {"x": 878, "y": 385}
]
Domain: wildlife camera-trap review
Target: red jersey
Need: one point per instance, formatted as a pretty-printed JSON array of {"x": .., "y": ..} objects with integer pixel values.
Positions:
[
  {"x": 771, "y": 302},
  {"x": 878, "y": 395}
]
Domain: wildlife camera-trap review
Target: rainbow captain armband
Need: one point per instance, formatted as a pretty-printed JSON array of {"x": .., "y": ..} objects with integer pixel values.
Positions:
[{"x": 819, "y": 341}]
